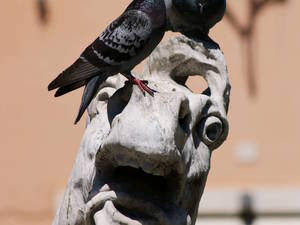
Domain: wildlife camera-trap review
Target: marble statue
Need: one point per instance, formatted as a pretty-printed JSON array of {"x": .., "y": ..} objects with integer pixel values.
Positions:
[{"x": 144, "y": 160}]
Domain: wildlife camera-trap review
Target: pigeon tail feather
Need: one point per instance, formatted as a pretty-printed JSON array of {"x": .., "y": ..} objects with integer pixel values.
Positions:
[
  {"x": 80, "y": 70},
  {"x": 89, "y": 93},
  {"x": 66, "y": 89}
]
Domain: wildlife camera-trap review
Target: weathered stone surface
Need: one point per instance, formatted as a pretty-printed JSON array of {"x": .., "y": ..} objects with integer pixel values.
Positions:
[{"x": 145, "y": 160}]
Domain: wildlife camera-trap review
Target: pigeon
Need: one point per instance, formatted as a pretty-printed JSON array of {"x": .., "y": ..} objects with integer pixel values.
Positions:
[
  {"x": 195, "y": 18},
  {"x": 127, "y": 41}
]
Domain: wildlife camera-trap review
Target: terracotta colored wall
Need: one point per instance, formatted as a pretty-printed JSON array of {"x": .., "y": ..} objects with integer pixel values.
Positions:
[
  {"x": 270, "y": 120},
  {"x": 39, "y": 141}
]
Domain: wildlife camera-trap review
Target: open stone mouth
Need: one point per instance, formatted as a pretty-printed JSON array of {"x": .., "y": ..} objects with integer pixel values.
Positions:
[
  {"x": 144, "y": 185},
  {"x": 143, "y": 196}
]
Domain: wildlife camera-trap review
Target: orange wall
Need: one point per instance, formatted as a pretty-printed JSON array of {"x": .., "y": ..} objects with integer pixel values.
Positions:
[
  {"x": 39, "y": 141},
  {"x": 271, "y": 120}
]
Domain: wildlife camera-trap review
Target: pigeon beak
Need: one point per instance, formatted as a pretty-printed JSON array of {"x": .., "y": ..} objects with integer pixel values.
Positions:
[{"x": 201, "y": 7}]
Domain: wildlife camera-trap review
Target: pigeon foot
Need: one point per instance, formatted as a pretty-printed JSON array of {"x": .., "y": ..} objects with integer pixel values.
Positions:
[{"x": 142, "y": 84}]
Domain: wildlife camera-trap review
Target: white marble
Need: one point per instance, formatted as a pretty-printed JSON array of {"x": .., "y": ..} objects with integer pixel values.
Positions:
[{"x": 145, "y": 160}]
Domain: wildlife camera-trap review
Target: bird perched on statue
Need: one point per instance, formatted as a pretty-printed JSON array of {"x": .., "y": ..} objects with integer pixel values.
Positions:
[{"x": 130, "y": 39}]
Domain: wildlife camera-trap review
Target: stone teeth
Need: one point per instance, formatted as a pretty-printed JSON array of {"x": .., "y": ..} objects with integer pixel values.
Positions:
[{"x": 104, "y": 188}]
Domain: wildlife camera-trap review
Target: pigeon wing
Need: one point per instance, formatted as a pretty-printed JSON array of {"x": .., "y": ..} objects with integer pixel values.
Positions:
[{"x": 122, "y": 40}]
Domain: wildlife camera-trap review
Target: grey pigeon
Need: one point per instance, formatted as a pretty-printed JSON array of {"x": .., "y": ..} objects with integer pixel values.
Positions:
[{"x": 126, "y": 42}]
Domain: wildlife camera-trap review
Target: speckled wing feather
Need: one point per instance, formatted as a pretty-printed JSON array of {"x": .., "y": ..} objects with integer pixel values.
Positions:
[
  {"x": 121, "y": 41},
  {"x": 125, "y": 43}
]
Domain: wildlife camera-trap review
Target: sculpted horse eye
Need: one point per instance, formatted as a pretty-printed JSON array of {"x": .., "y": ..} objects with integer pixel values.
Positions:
[{"x": 212, "y": 129}]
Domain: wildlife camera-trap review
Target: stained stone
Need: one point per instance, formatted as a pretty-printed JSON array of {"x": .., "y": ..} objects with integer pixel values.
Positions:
[{"x": 145, "y": 160}]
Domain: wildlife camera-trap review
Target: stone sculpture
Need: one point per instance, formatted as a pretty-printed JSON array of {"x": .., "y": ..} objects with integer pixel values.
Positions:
[{"x": 144, "y": 160}]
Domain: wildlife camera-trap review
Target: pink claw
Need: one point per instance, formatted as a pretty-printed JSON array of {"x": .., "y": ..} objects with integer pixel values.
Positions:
[{"x": 142, "y": 84}]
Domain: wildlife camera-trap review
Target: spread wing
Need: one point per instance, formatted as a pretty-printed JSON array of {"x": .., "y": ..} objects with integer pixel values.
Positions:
[{"x": 122, "y": 39}]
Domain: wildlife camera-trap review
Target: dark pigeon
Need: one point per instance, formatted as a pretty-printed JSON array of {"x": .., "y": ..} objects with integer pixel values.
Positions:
[{"x": 126, "y": 42}]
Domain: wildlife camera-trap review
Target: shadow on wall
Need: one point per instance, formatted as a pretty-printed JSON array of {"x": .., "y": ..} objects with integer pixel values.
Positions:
[
  {"x": 43, "y": 11},
  {"x": 246, "y": 34}
]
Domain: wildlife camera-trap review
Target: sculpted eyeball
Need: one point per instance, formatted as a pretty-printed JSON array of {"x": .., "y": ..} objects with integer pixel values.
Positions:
[{"x": 205, "y": 13}]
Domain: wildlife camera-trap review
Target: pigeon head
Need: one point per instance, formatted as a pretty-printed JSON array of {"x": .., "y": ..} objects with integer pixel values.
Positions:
[{"x": 196, "y": 16}]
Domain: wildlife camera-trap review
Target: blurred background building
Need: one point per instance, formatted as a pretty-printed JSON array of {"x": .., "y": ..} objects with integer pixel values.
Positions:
[{"x": 255, "y": 175}]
